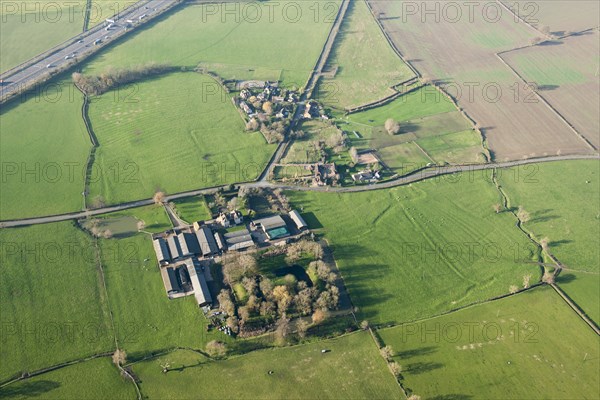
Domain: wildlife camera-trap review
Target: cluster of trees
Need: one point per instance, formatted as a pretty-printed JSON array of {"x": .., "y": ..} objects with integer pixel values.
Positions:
[
  {"x": 274, "y": 132},
  {"x": 94, "y": 85},
  {"x": 266, "y": 303}
]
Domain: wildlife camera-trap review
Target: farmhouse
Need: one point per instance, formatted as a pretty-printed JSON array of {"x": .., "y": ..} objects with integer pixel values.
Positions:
[
  {"x": 274, "y": 227},
  {"x": 230, "y": 219},
  {"x": 199, "y": 284},
  {"x": 298, "y": 220},
  {"x": 239, "y": 240},
  {"x": 208, "y": 246},
  {"x": 162, "y": 251},
  {"x": 366, "y": 176}
]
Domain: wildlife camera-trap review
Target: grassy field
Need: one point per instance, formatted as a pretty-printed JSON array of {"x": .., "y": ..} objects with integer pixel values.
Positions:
[
  {"x": 569, "y": 221},
  {"x": 192, "y": 209},
  {"x": 529, "y": 346},
  {"x": 145, "y": 318},
  {"x": 431, "y": 131},
  {"x": 366, "y": 65},
  {"x": 52, "y": 300},
  {"x": 238, "y": 45},
  {"x": 418, "y": 251},
  {"x": 103, "y": 9},
  {"x": 201, "y": 144},
  {"x": 29, "y": 28},
  {"x": 584, "y": 289},
  {"x": 352, "y": 369},
  {"x": 302, "y": 150},
  {"x": 44, "y": 147},
  {"x": 101, "y": 380}
]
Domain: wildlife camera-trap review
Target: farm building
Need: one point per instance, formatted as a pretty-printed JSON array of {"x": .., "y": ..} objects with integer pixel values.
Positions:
[
  {"x": 239, "y": 240},
  {"x": 206, "y": 240},
  {"x": 174, "y": 247},
  {"x": 169, "y": 276},
  {"x": 162, "y": 251},
  {"x": 188, "y": 244},
  {"x": 298, "y": 220},
  {"x": 274, "y": 227},
  {"x": 366, "y": 176},
  {"x": 199, "y": 284},
  {"x": 220, "y": 241}
]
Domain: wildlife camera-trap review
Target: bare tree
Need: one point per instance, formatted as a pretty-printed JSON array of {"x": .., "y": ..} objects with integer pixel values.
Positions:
[
  {"x": 392, "y": 127},
  {"x": 545, "y": 243},
  {"x": 283, "y": 328},
  {"x": 107, "y": 234},
  {"x": 252, "y": 125},
  {"x": 119, "y": 357},
  {"x": 526, "y": 281},
  {"x": 387, "y": 352},
  {"x": 364, "y": 325},
  {"x": 396, "y": 369},
  {"x": 319, "y": 316},
  {"x": 414, "y": 397},
  {"x": 216, "y": 349},
  {"x": 497, "y": 207},
  {"x": 302, "y": 328},
  {"x": 159, "y": 197},
  {"x": 512, "y": 289},
  {"x": 141, "y": 225},
  {"x": 523, "y": 215}
]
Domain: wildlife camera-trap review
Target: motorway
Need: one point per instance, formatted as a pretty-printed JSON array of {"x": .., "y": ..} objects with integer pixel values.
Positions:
[
  {"x": 428, "y": 173},
  {"x": 79, "y": 46}
]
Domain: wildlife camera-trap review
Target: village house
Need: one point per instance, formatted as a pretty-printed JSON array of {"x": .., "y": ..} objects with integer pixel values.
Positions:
[{"x": 232, "y": 218}]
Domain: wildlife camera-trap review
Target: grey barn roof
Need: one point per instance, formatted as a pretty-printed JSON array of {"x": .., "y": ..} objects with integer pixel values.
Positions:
[
  {"x": 189, "y": 244},
  {"x": 199, "y": 284},
  {"x": 219, "y": 240},
  {"x": 174, "y": 247},
  {"x": 170, "y": 280},
  {"x": 161, "y": 249},
  {"x": 298, "y": 220},
  {"x": 206, "y": 240},
  {"x": 271, "y": 222}
]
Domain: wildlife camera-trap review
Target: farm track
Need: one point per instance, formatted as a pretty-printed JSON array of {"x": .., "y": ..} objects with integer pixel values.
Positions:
[{"x": 417, "y": 176}]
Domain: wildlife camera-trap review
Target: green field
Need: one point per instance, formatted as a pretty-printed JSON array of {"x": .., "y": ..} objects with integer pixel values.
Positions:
[
  {"x": 367, "y": 65},
  {"x": 421, "y": 250},
  {"x": 202, "y": 143},
  {"x": 431, "y": 130},
  {"x": 238, "y": 45},
  {"x": 103, "y": 9},
  {"x": 31, "y": 28},
  {"x": 44, "y": 147},
  {"x": 145, "y": 318},
  {"x": 95, "y": 379},
  {"x": 531, "y": 346},
  {"x": 352, "y": 369},
  {"x": 53, "y": 304},
  {"x": 584, "y": 289},
  {"x": 192, "y": 209},
  {"x": 570, "y": 222},
  {"x": 302, "y": 150}
]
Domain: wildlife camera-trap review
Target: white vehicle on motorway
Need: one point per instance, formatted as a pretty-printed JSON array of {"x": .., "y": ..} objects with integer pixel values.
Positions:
[{"x": 49, "y": 66}]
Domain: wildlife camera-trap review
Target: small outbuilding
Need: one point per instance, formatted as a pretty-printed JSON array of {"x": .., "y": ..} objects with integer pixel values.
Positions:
[{"x": 298, "y": 220}]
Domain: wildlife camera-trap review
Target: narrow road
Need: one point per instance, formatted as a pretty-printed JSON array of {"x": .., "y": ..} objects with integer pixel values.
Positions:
[{"x": 428, "y": 173}]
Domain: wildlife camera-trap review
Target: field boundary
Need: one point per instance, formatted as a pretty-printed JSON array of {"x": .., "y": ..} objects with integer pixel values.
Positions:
[
  {"x": 413, "y": 177},
  {"x": 543, "y": 99}
]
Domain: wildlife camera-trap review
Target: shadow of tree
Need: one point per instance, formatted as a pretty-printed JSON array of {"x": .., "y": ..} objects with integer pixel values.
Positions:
[
  {"x": 28, "y": 389},
  {"x": 422, "y": 367}
]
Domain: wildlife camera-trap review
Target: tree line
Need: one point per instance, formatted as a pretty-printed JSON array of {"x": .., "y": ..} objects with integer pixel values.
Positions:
[{"x": 95, "y": 85}]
